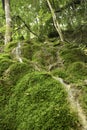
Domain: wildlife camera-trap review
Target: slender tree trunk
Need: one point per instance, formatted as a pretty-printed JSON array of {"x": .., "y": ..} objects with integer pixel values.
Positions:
[
  {"x": 8, "y": 22},
  {"x": 56, "y": 24}
]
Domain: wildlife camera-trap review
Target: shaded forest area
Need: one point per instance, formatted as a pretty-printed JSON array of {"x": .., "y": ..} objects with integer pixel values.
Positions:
[{"x": 43, "y": 65}]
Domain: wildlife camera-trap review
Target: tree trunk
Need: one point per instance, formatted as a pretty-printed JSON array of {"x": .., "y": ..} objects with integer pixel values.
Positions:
[
  {"x": 56, "y": 24},
  {"x": 8, "y": 22}
]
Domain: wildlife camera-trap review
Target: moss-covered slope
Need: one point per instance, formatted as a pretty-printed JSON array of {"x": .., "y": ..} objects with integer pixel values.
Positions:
[
  {"x": 38, "y": 102},
  {"x": 30, "y": 99}
]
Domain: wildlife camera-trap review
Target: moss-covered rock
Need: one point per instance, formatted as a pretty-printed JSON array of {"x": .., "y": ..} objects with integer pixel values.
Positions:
[
  {"x": 71, "y": 54},
  {"x": 78, "y": 68},
  {"x": 46, "y": 56},
  {"x": 39, "y": 102},
  {"x": 60, "y": 72},
  {"x": 76, "y": 72},
  {"x": 33, "y": 100},
  {"x": 15, "y": 72}
]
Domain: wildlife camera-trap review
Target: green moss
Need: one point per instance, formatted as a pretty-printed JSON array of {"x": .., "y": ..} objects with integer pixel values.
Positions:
[
  {"x": 15, "y": 72},
  {"x": 76, "y": 72},
  {"x": 4, "y": 55},
  {"x": 78, "y": 68},
  {"x": 84, "y": 98},
  {"x": 45, "y": 56},
  {"x": 60, "y": 72},
  {"x": 27, "y": 51},
  {"x": 75, "y": 63},
  {"x": 10, "y": 46},
  {"x": 33, "y": 100},
  {"x": 39, "y": 102},
  {"x": 5, "y": 62},
  {"x": 72, "y": 54}
]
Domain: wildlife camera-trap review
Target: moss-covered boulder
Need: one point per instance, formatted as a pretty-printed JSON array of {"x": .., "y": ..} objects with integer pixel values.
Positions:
[
  {"x": 39, "y": 102},
  {"x": 78, "y": 68},
  {"x": 72, "y": 53},
  {"x": 15, "y": 72},
  {"x": 76, "y": 72}
]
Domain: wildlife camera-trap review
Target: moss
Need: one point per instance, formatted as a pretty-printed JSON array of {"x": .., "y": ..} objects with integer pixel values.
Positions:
[
  {"x": 60, "y": 72},
  {"x": 5, "y": 62},
  {"x": 10, "y": 46},
  {"x": 27, "y": 51},
  {"x": 75, "y": 63},
  {"x": 4, "y": 55},
  {"x": 15, "y": 72},
  {"x": 78, "y": 68},
  {"x": 76, "y": 72},
  {"x": 32, "y": 100},
  {"x": 83, "y": 98},
  {"x": 11, "y": 75},
  {"x": 45, "y": 56},
  {"x": 72, "y": 54},
  {"x": 39, "y": 102}
]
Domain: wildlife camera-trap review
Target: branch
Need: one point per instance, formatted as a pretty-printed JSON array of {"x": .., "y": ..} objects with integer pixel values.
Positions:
[
  {"x": 27, "y": 26},
  {"x": 56, "y": 23}
]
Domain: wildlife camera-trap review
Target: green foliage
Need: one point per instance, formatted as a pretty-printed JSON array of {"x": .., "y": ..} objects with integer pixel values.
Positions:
[{"x": 39, "y": 102}]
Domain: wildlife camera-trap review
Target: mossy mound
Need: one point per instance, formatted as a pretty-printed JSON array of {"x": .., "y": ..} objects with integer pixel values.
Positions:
[
  {"x": 15, "y": 72},
  {"x": 78, "y": 68},
  {"x": 28, "y": 49},
  {"x": 76, "y": 72},
  {"x": 38, "y": 102},
  {"x": 12, "y": 73},
  {"x": 71, "y": 54},
  {"x": 33, "y": 100},
  {"x": 46, "y": 56},
  {"x": 60, "y": 72}
]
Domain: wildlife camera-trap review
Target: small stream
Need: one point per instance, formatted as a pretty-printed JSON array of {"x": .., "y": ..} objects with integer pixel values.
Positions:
[
  {"x": 74, "y": 102},
  {"x": 18, "y": 52}
]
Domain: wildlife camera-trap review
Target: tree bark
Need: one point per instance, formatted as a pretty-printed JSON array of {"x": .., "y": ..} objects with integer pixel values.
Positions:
[
  {"x": 56, "y": 23},
  {"x": 8, "y": 22}
]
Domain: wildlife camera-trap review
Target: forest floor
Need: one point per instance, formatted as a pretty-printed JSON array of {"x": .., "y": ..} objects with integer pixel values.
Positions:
[{"x": 43, "y": 86}]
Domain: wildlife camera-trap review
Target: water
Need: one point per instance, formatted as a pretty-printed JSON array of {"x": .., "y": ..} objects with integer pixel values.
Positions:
[
  {"x": 74, "y": 102},
  {"x": 18, "y": 52}
]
